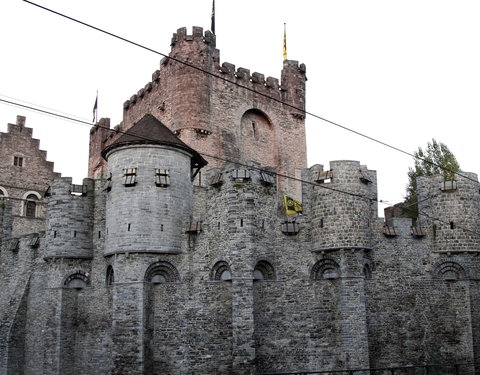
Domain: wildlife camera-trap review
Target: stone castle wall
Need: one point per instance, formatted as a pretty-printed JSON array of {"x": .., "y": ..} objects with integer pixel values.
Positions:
[
  {"x": 245, "y": 294},
  {"x": 211, "y": 277}
]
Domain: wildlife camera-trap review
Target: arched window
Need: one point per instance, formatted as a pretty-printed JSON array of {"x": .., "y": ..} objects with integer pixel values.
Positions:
[
  {"x": 78, "y": 280},
  {"x": 30, "y": 204},
  {"x": 221, "y": 271},
  {"x": 110, "y": 276},
  {"x": 162, "y": 272},
  {"x": 263, "y": 271}
]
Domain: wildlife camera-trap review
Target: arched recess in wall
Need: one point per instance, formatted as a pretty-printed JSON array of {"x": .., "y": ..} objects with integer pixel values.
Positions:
[
  {"x": 264, "y": 271},
  {"x": 258, "y": 138},
  {"x": 367, "y": 271},
  {"x": 221, "y": 271},
  {"x": 448, "y": 270},
  {"x": 3, "y": 192},
  {"x": 162, "y": 272},
  {"x": 77, "y": 280},
  {"x": 30, "y": 204},
  {"x": 109, "y": 276},
  {"x": 325, "y": 268}
]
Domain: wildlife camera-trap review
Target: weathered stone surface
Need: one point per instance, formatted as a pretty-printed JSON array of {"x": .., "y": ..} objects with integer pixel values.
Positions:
[{"x": 201, "y": 277}]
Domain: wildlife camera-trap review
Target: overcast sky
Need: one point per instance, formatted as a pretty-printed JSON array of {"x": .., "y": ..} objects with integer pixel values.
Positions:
[{"x": 403, "y": 72}]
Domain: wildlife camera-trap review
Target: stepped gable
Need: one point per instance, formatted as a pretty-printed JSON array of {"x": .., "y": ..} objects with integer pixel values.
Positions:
[{"x": 149, "y": 130}]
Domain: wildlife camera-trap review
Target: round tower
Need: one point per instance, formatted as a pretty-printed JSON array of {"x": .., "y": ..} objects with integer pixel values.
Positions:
[
  {"x": 70, "y": 219},
  {"x": 341, "y": 206},
  {"x": 149, "y": 198},
  {"x": 449, "y": 211}
]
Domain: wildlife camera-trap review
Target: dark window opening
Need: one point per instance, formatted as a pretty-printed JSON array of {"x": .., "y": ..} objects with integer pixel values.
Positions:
[
  {"x": 110, "y": 276},
  {"x": 18, "y": 161},
  {"x": 31, "y": 205}
]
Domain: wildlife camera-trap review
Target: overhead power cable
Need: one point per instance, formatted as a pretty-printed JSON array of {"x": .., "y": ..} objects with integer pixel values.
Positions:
[
  {"x": 87, "y": 123},
  {"x": 201, "y": 153},
  {"x": 249, "y": 89}
]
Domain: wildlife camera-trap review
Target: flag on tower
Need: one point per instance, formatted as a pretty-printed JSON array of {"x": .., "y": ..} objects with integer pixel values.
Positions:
[
  {"x": 95, "y": 109},
  {"x": 292, "y": 206},
  {"x": 284, "y": 41},
  {"x": 213, "y": 18}
]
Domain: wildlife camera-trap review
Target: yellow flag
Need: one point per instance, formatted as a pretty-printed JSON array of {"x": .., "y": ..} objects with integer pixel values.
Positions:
[
  {"x": 292, "y": 206},
  {"x": 284, "y": 41}
]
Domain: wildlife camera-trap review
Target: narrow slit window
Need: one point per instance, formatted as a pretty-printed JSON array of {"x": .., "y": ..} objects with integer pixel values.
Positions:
[
  {"x": 108, "y": 183},
  {"x": 130, "y": 176},
  {"x": 162, "y": 177}
]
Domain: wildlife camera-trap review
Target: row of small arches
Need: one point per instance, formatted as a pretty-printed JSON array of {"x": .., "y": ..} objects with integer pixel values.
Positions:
[
  {"x": 165, "y": 272},
  {"x": 326, "y": 268}
]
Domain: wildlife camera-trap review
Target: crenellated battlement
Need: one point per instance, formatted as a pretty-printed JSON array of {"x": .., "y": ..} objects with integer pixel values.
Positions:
[
  {"x": 255, "y": 81},
  {"x": 197, "y": 35}
]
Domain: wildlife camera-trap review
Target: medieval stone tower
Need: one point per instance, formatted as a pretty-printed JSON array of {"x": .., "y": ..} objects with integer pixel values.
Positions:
[{"x": 223, "y": 112}]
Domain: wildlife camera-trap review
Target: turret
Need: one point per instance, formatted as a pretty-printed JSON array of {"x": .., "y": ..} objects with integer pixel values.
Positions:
[
  {"x": 149, "y": 189},
  {"x": 293, "y": 83},
  {"x": 342, "y": 205},
  {"x": 70, "y": 219},
  {"x": 449, "y": 211}
]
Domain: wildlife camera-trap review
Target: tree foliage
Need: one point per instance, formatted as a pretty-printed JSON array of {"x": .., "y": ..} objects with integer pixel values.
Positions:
[{"x": 436, "y": 159}]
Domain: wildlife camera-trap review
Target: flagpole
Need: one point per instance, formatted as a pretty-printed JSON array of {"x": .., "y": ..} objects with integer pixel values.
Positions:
[
  {"x": 284, "y": 41},
  {"x": 213, "y": 18},
  {"x": 95, "y": 109}
]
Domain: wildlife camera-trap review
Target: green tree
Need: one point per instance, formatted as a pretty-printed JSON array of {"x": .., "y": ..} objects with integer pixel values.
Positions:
[{"x": 436, "y": 159}]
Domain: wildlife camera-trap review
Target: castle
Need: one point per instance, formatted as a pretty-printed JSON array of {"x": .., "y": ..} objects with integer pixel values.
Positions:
[{"x": 175, "y": 256}]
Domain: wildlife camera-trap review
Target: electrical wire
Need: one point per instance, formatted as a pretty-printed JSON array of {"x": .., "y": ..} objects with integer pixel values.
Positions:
[
  {"x": 249, "y": 89},
  {"x": 83, "y": 122},
  {"x": 201, "y": 153}
]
